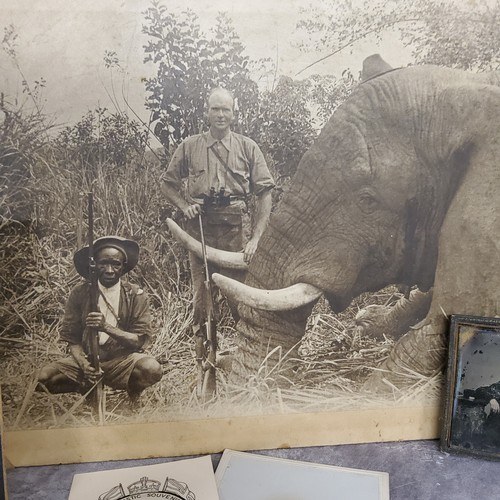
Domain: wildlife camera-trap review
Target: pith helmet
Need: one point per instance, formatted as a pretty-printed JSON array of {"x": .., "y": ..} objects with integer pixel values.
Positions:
[{"x": 128, "y": 247}]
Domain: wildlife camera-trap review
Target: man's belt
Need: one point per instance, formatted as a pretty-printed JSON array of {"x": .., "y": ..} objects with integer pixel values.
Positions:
[{"x": 231, "y": 199}]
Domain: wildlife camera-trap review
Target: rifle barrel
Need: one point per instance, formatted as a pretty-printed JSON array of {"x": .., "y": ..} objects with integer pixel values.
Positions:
[
  {"x": 93, "y": 333},
  {"x": 209, "y": 385}
]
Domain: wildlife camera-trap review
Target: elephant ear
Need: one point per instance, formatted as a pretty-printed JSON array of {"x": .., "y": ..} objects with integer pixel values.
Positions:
[{"x": 459, "y": 150}]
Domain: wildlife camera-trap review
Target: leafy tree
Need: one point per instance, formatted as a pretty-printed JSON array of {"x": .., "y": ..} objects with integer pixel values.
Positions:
[
  {"x": 447, "y": 33},
  {"x": 450, "y": 33},
  {"x": 328, "y": 92},
  {"x": 465, "y": 35},
  {"x": 283, "y": 126},
  {"x": 190, "y": 63}
]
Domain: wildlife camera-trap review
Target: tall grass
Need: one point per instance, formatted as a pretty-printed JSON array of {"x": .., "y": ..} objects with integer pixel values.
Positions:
[{"x": 44, "y": 221}]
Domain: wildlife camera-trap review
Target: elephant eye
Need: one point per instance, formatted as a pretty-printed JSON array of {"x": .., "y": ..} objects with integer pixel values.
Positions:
[{"x": 367, "y": 202}]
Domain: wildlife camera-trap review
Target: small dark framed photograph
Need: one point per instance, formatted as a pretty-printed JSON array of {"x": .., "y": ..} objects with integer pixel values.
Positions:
[{"x": 471, "y": 422}]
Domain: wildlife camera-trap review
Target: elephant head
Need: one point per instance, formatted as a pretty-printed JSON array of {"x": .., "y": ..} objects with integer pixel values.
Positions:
[{"x": 367, "y": 204}]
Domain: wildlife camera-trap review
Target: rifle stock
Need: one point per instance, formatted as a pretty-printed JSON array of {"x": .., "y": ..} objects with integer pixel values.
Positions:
[{"x": 209, "y": 385}]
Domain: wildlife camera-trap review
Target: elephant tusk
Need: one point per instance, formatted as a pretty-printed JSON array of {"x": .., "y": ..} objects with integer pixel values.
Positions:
[
  {"x": 221, "y": 258},
  {"x": 285, "y": 299}
]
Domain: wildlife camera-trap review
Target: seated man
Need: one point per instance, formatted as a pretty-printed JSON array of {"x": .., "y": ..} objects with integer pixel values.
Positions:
[
  {"x": 489, "y": 395},
  {"x": 123, "y": 324}
]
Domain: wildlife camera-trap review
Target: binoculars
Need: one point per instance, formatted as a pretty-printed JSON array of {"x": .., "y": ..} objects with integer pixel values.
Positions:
[{"x": 217, "y": 200}]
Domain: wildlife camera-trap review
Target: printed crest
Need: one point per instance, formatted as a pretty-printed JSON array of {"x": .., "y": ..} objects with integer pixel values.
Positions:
[{"x": 150, "y": 488}]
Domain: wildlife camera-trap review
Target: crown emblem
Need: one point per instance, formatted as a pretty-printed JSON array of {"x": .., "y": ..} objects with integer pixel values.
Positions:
[
  {"x": 147, "y": 488},
  {"x": 144, "y": 485}
]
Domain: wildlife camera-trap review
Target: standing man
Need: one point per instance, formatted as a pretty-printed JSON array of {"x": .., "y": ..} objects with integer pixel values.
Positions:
[
  {"x": 123, "y": 323},
  {"x": 221, "y": 171}
]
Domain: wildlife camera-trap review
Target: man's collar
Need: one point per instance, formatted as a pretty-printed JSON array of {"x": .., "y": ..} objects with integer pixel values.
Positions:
[
  {"x": 111, "y": 289},
  {"x": 226, "y": 140}
]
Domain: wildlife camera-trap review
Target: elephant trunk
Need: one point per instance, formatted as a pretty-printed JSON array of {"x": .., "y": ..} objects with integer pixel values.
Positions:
[
  {"x": 285, "y": 279},
  {"x": 268, "y": 337},
  {"x": 268, "y": 345},
  {"x": 417, "y": 355},
  {"x": 378, "y": 320}
]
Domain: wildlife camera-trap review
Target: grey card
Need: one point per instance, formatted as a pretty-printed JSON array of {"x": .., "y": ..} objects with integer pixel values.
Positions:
[{"x": 246, "y": 476}]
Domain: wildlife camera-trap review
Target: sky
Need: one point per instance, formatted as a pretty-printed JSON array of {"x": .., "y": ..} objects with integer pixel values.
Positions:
[{"x": 64, "y": 42}]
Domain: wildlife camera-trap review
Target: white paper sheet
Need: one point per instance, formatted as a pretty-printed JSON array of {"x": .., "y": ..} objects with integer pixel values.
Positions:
[
  {"x": 246, "y": 476},
  {"x": 191, "y": 479}
]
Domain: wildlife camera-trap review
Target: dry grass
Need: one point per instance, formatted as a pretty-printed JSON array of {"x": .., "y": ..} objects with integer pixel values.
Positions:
[{"x": 42, "y": 223}]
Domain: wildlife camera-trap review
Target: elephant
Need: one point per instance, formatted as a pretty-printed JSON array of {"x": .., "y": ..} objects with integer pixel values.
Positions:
[{"x": 400, "y": 187}]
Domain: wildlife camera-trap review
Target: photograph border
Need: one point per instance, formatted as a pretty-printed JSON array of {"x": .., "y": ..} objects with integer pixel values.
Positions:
[
  {"x": 3, "y": 468},
  {"x": 193, "y": 437},
  {"x": 456, "y": 321}
]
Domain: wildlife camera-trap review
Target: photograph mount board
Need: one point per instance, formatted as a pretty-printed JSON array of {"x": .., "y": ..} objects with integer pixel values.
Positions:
[{"x": 67, "y": 44}]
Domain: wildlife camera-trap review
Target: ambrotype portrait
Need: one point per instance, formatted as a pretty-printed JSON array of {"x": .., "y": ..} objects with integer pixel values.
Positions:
[
  {"x": 472, "y": 411},
  {"x": 270, "y": 257}
]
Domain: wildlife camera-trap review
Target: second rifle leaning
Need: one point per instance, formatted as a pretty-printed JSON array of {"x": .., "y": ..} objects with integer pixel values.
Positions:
[{"x": 207, "y": 343}]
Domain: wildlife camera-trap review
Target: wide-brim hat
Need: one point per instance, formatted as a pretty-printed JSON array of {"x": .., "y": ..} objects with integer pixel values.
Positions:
[{"x": 129, "y": 248}]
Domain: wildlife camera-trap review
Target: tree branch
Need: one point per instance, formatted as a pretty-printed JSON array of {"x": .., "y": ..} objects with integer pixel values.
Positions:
[{"x": 357, "y": 39}]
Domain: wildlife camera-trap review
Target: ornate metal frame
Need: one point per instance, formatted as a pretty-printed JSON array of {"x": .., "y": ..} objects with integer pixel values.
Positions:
[{"x": 471, "y": 423}]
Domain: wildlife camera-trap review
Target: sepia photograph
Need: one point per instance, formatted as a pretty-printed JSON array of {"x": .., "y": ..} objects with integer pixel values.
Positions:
[
  {"x": 242, "y": 226},
  {"x": 472, "y": 411},
  {"x": 3, "y": 472}
]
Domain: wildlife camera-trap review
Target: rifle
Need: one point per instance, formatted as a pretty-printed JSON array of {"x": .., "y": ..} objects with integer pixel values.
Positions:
[
  {"x": 208, "y": 342},
  {"x": 93, "y": 334}
]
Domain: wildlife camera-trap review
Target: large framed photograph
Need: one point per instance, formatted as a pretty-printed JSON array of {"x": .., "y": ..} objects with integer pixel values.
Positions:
[
  {"x": 3, "y": 475},
  {"x": 472, "y": 411},
  {"x": 335, "y": 151}
]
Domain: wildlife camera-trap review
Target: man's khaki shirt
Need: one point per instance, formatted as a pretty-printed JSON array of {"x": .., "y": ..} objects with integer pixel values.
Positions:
[
  {"x": 239, "y": 167},
  {"x": 134, "y": 316}
]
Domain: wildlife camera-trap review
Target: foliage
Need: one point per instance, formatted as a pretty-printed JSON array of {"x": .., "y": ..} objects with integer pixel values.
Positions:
[
  {"x": 464, "y": 36},
  {"x": 103, "y": 137},
  {"x": 328, "y": 92},
  {"x": 283, "y": 126},
  {"x": 191, "y": 63},
  {"x": 43, "y": 206},
  {"x": 450, "y": 33},
  {"x": 23, "y": 136},
  {"x": 9, "y": 46}
]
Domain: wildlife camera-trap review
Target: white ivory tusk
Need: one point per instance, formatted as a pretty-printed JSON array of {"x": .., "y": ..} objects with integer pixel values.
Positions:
[
  {"x": 221, "y": 258},
  {"x": 285, "y": 299}
]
